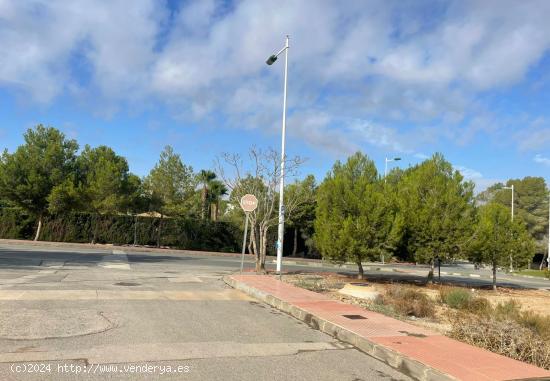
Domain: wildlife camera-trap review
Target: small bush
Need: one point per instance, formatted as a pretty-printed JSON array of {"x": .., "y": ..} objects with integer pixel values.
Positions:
[
  {"x": 457, "y": 298},
  {"x": 509, "y": 310},
  {"x": 317, "y": 285},
  {"x": 480, "y": 306},
  {"x": 379, "y": 300},
  {"x": 535, "y": 322},
  {"x": 409, "y": 302},
  {"x": 464, "y": 300}
]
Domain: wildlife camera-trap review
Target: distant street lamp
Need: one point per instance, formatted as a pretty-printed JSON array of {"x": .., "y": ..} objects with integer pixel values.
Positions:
[
  {"x": 385, "y": 174},
  {"x": 386, "y": 166},
  {"x": 281, "y": 231},
  {"x": 512, "y": 189},
  {"x": 548, "y": 254}
]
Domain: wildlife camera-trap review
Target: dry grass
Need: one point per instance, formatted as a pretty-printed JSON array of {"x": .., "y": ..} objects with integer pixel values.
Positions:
[
  {"x": 505, "y": 337},
  {"x": 408, "y": 301},
  {"x": 511, "y": 322}
]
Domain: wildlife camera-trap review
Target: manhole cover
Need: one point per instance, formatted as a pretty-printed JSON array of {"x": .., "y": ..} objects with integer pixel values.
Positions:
[
  {"x": 127, "y": 284},
  {"x": 354, "y": 317}
]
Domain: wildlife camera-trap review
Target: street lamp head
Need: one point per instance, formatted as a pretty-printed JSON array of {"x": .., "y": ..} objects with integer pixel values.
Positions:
[
  {"x": 271, "y": 59},
  {"x": 393, "y": 159}
]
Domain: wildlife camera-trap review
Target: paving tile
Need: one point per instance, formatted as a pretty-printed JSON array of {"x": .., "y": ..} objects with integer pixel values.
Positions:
[
  {"x": 459, "y": 359},
  {"x": 452, "y": 357}
]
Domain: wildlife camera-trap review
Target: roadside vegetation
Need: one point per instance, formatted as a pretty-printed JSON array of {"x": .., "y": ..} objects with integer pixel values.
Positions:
[
  {"x": 501, "y": 325},
  {"x": 52, "y": 189},
  {"x": 539, "y": 273},
  {"x": 426, "y": 214}
]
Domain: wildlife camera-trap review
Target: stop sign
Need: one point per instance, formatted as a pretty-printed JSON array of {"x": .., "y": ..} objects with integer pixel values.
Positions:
[{"x": 249, "y": 202}]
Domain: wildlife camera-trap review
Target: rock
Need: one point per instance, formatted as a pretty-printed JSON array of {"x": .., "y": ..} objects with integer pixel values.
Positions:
[{"x": 363, "y": 291}]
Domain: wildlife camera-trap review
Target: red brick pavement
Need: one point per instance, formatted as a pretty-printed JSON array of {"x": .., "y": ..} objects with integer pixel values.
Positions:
[{"x": 449, "y": 356}]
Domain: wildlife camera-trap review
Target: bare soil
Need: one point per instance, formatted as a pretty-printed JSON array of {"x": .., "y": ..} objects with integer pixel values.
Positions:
[{"x": 537, "y": 301}]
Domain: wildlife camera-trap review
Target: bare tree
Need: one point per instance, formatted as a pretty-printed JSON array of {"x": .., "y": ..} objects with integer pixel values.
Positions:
[{"x": 261, "y": 180}]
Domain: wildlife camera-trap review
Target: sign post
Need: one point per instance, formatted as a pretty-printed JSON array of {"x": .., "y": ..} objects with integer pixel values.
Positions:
[{"x": 249, "y": 203}]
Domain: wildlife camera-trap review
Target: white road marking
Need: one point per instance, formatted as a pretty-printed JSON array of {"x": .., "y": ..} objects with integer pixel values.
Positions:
[
  {"x": 117, "y": 261},
  {"x": 185, "y": 279}
]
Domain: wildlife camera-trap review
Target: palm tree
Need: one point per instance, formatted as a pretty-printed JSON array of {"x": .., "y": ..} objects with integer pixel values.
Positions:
[
  {"x": 217, "y": 190},
  {"x": 205, "y": 177}
]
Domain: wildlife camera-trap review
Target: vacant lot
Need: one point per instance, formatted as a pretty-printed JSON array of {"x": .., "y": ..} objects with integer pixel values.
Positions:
[{"x": 514, "y": 323}]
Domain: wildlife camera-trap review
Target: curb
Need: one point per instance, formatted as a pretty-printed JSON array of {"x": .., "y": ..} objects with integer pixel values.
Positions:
[
  {"x": 530, "y": 276},
  {"x": 402, "y": 363},
  {"x": 110, "y": 247}
]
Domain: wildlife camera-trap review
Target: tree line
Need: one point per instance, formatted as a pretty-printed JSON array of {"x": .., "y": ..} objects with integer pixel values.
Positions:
[
  {"x": 420, "y": 214},
  {"x": 47, "y": 175},
  {"x": 425, "y": 213}
]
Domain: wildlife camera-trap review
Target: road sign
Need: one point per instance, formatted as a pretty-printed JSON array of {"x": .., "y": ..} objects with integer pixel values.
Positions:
[{"x": 249, "y": 203}]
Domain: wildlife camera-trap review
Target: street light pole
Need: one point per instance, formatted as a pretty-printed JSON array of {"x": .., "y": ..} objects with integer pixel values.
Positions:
[
  {"x": 385, "y": 174},
  {"x": 511, "y": 188},
  {"x": 281, "y": 230},
  {"x": 548, "y": 253},
  {"x": 386, "y": 166}
]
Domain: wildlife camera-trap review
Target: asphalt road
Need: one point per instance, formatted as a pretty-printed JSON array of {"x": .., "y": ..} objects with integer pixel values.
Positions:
[{"x": 118, "y": 315}]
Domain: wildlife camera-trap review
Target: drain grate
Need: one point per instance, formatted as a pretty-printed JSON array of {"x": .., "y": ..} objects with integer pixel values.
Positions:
[
  {"x": 354, "y": 317},
  {"x": 128, "y": 284}
]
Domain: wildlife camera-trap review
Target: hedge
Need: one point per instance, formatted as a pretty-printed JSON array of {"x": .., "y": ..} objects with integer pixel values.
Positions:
[{"x": 122, "y": 230}]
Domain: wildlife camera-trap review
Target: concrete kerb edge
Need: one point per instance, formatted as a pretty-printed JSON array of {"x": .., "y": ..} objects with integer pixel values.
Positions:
[{"x": 404, "y": 364}]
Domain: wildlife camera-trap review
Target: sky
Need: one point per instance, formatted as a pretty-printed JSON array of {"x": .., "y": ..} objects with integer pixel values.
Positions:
[{"x": 469, "y": 79}]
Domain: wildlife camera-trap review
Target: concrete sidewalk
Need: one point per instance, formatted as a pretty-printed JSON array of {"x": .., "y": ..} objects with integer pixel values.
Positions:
[{"x": 417, "y": 352}]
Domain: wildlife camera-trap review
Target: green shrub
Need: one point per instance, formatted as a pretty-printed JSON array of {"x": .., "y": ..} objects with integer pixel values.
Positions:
[
  {"x": 16, "y": 224},
  {"x": 509, "y": 310},
  {"x": 464, "y": 300},
  {"x": 535, "y": 322},
  {"x": 480, "y": 306},
  {"x": 409, "y": 302},
  {"x": 182, "y": 233},
  {"x": 457, "y": 298}
]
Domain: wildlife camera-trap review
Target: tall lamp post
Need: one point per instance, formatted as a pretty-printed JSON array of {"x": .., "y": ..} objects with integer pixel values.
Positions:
[
  {"x": 386, "y": 166},
  {"x": 512, "y": 189},
  {"x": 548, "y": 253},
  {"x": 385, "y": 174},
  {"x": 281, "y": 231}
]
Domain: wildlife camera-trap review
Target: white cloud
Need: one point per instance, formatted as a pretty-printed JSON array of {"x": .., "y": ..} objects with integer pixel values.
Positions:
[
  {"x": 542, "y": 160},
  {"x": 378, "y": 136},
  {"x": 481, "y": 183},
  {"x": 421, "y": 156},
  {"x": 468, "y": 173},
  {"x": 386, "y": 62},
  {"x": 534, "y": 138},
  {"x": 314, "y": 128}
]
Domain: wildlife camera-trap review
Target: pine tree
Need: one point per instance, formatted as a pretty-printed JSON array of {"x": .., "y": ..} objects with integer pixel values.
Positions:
[
  {"x": 30, "y": 174},
  {"x": 354, "y": 218},
  {"x": 496, "y": 236},
  {"x": 436, "y": 210}
]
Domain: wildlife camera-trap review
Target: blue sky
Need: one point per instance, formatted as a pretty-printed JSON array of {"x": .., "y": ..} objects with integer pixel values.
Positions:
[{"x": 469, "y": 79}]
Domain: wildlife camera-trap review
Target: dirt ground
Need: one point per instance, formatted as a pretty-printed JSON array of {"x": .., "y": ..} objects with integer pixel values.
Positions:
[
  {"x": 401, "y": 303},
  {"x": 534, "y": 300}
]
